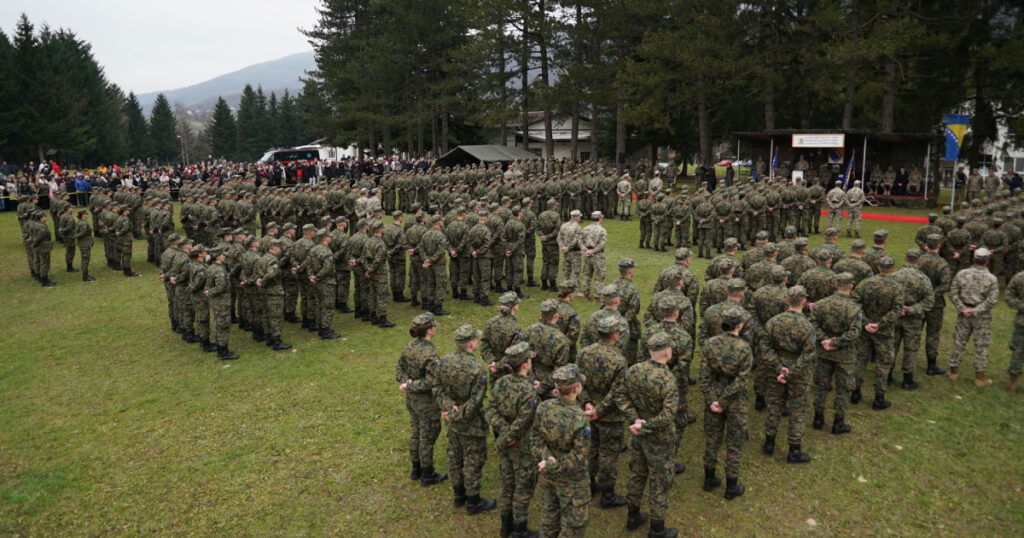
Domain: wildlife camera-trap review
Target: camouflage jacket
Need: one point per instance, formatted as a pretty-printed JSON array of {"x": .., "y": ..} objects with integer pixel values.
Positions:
[
  {"x": 460, "y": 380},
  {"x": 917, "y": 291},
  {"x": 648, "y": 391},
  {"x": 553, "y": 349},
  {"x": 881, "y": 300},
  {"x": 788, "y": 341},
  {"x": 603, "y": 365},
  {"x": 975, "y": 288},
  {"x": 855, "y": 266},
  {"x": 561, "y": 431},
  {"x": 682, "y": 346},
  {"x": 820, "y": 282},
  {"x": 510, "y": 410},
  {"x": 938, "y": 273},
  {"x": 1015, "y": 297},
  {"x": 723, "y": 375},
  {"x": 501, "y": 332},
  {"x": 837, "y": 318},
  {"x": 629, "y": 306},
  {"x": 590, "y": 334}
]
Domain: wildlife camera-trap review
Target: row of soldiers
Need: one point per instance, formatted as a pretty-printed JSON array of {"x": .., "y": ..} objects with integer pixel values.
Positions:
[{"x": 820, "y": 319}]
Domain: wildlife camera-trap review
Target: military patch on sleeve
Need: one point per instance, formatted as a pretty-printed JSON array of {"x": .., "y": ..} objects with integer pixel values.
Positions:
[
  {"x": 483, "y": 379},
  {"x": 435, "y": 363},
  {"x": 675, "y": 400},
  {"x": 586, "y": 432}
]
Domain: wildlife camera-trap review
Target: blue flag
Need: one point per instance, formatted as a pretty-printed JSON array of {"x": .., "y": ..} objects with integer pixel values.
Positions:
[
  {"x": 775, "y": 159},
  {"x": 847, "y": 183},
  {"x": 956, "y": 128}
]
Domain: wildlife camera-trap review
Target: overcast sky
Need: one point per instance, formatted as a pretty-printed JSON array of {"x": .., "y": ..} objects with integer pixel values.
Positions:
[{"x": 151, "y": 45}]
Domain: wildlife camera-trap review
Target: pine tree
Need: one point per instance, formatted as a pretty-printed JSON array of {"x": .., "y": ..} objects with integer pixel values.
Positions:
[
  {"x": 162, "y": 134},
  {"x": 222, "y": 131},
  {"x": 290, "y": 126},
  {"x": 248, "y": 140},
  {"x": 135, "y": 122}
]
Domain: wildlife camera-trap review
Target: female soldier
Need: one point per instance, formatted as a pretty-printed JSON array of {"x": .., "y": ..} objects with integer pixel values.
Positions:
[
  {"x": 561, "y": 444},
  {"x": 723, "y": 380},
  {"x": 500, "y": 333},
  {"x": 424, "y": 416}
]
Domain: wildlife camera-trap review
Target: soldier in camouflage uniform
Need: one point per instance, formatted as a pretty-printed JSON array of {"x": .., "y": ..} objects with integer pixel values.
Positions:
[
  {"x": 974, "y": 293},
  {"x": 295, "y": 261},
  {"x": 319, "y": 268},
  {"x": 560, "y": 441},
  {"x": 1015, "y": 300},
  {"x": 434, "y": 249},
  {"x": 218, "y": 292},
  {"x": 552, "y": 348},
  {"x": 704, "y": 216},
  {"x": 457, "y": 233},
  {"x": 412, "y": 373},
  {"x": 603, "y": 364},
  {"x": 568, "y": 319},
  {"x": 881, "y": 300},
  {"x": 200, "y": 301},
  {"x": 819, "y": 282},
  {"x": 374, "y": 262},
  {"x": 937, "y": 270},
  {"x": 82, "y": 235},
  {"x": 629, "y": 305},
  {"x": 643, "y": 211},
  {"x": 879, "y": 239},
  {"x": 548, "y": 225},
  {"x": 760, "y": 273},
  {"x": 838, "y": 321},
  {"x": 394, "y": 240},
  {"x": 509, "y": 412},
  {"x": 788, "y": 344},
  {"x": 854, "y": 263},
  {"x": 268, "y": 282},
  {"x": 459, "y": 384},
  {"x": 918, "y": 298},
  {"x": 723, "y": 382},
  {"x": 649, "y": 402},
  {"x": 609, "y": 295},
  {"x": 501, "y": 332},
  {"x": 513, "y": 234},
  {"x": 691, "y": 285},
  {"x": 592, "y": 242},
  {"x": 569, "y": 246},
  {"x": 480, "y": 242}
]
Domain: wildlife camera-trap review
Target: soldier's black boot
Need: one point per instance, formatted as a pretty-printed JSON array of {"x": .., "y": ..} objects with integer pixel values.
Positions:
[
  {"x": 819, "y": 420},
  {"x": 328, "y": 334},
  {"x": 458, "y": 495},
  {"x": 855, "y": 396},
  {"x": 344, "y": 308},
  {"x": 314, "y": 327},
  {"x": 129, "y": 273},
  {"x": 439, "y": 310},
  {"x": 415, "y": 301},
  {"x": 880, "y": 403},
  {"x": 416, "y": 471},
  {"x": 678, "y": 467},
  {"x": 840, "y": 427},
  {"x": 658, "y": 530},
  {"x": 475, "y": 505},
  {"x": 291, "y": 318},
  {"x": 506, "y": 524},
  {"x": 769, "y": 445},
  {"x": 485, "y": 301},
  {"x": 384, "y": 323},
  {"x": 733, "y": 488},
  {"x": 305, "y": 323},
  {"x": 257, "y": 334},
  {"x": 759, "y": 403},
  {"x": 86, "y": 277},
  {"x": 279, "y": 345},
  {"x": 225, "y": 354},
  {"x": 520, "y": 530},
  {"x": 531, "y": 283},
  {"x": 710, "y": 480},
  {"x": 909, "y": 383},
  {"x": 190, "y": 337},
  {"x": 429, "y": 478},
  {"x": 519, "y": 292},
  {"x": 795, "y": 456},
  {"x": 208, "y": 346},
  {"x": 71, "y": 269},
  {"x": 635, "y": 518},
  {"x": 46, "y": 282},
  {"x": 933, "y": 368},
  {"x": 610, "y": 500}
]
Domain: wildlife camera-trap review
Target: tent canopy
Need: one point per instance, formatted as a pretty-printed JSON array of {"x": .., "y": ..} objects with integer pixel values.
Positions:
[{"x": 464, "y": 155}]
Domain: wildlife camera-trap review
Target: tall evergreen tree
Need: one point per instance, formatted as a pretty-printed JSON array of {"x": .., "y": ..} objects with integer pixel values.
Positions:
[
  {"x": 222, "y": 130},
  {"x": 137, "y": 130},
  {"x": 290, "y": 124},
  {"x": 162, "y": 131},
  {"x": 249, "y": 143}
]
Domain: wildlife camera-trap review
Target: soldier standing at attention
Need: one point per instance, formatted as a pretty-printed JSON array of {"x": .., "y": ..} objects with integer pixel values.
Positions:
[
  {"x": 603, "y": 365},
  {"x": 592, "y": 243},
  {"x": 560, "y": 441},
  {"x": 1015, "y": 300},
  {"x": 459, "y": 387},
  {"x": 788, "y": 343},
  {"x": 200, "y": 301},
  {"x": 629, "y": 305},
  {"x": 610, "y": 297},
  {"x": 649, "y": 401},
  {"x": 218, "y": 292},
  {"x": 500, "y": 333},
  {"x": 974, "y": 293},
  {"x": 375, "y": 266},
  {"x": 510, "y": 413},
  {"x": 296, "y": 258},
  {"x": 568, "y": 320},
  {"x": 662, "y": 222},
  {"x": 82, "y": 235},
  {"x": 918, "y": 298},
  {"x": 569, "y": 246},
  {"x": 551, "y": 348},
  {"x": 394, "y": 240},
  {"x": 548, "y": 224},
  {"x": 480, "y": 242},
  {"x": 704, "y": 215},
  {"x": 624, "y": 191},
  {"x": 881, "y": 299},
  {"x": 937, "y": 270},
  {"x": 838, "y": 321},
  {"x": 122, "y": 230},
  {"x": 723, "y": 382},
  {"x": 435, "y": 250},
  {"x": 268, "y": 283},
  {"x": 643, "y": 211},
  {"x": 66, "y": 226},
  {"x": 413, "y": 375},
  {"x": 854, "y": 200},
  {"x": 319, "y": 266},
  {"x": 513, "y": 234}
]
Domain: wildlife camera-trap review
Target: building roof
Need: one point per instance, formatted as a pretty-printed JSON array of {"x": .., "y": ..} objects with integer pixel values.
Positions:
[{"x": 483, "y": 153}]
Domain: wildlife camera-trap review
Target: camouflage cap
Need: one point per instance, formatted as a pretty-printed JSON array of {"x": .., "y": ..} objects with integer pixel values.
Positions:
[
  {"x": 189, "y": 241},
  {"x": 626, "y": 263},
  {"x": 173, "y": 237},
  {"x": 790, "y": 230},
  {"x": 467, "y": 333},
  {"x": 396, "y": 214},
  {"x": 885, "y": 262},
  {"x": 568, "y": 374},
  {"x": 610, "y": 324},
  {"x": 608, "y": 292},
  {"x": 669, "y": 302},
  {"x": 238, "y": 231},
  {"x": 960, "y": 219},
  {"x": 998, "y": 221},
  {"x": 548, "y": 306},
  {"x": 289, "y": 226},
  {"x": 881, "y": 234},
  {"x": 566, "y": 286},
  {"x": 845, "y": 279},
  {"x": 682, "y": 253},
  {"x": 217, "y": 251},
  {"x": 519, "y": 353},
  {"x": 552, "y": 201},
  {"x": 308, "y": 228},
  {"x": 761, "y": 235},
  {"x": 659, "y": 341},
  {"x": 596, "y": 215},
  {"x": 575, "y": 213},
  {"x": 822, "y": 254},
  {"x": 271, "y": 224},
  {"x": 858, "y": 244},
  {"x": 725, "y": 263},
  {"x": 732, "y": 242},
  {"x": 934, "y": 240},
  {"x": 796, "y": 293},
  {"x": 801, "y": 242},
  {"x": 199, "y": 247},
  {"x": 734, "y": 313},
  {"x": 361, "y": 223},
  {"x": 736, "y": 284},
  {"x": 424, "y": 320},
  {"x": 508, "y": 299},
  {"x": 831, "y": 232},
  {"x": 321, "y": 234},
  {"x": 483, "y": 213},
  {"x": 982, "y": 254},
  {"x": 768, "y": 248},
  {"x": 778, "y": 273},
  {"x": 913, "y": 254}
]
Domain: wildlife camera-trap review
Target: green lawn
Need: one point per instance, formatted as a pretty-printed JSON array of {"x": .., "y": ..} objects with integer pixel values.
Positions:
[{"x": 110, "y": 424}]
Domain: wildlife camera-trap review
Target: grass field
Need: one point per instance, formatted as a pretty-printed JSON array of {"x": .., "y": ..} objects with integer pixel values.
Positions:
[{"x": 110, "y": 424}]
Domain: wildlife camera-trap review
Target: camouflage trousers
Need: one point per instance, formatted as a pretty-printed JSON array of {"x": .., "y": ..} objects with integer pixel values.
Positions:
[
  {"x": 739, "y": 229},
  {"x": 69, "y": 252},
  {"x": 979, "y": 326},
  {"x": 730, "y": 426},
  {"x": 245, "y": 305},
  {"x": 415, "y": 277},
  {"x": 172, "y": 311},
  {"x": 481, "y": 276},
  {"x": 424, "y": 426},
  {"x": 838, "y": 368},
  {"x": 1016, "y": 351},
  {"x": 461, "y": 271},
  {"x": 571, "y": 262},
  {"x": 683, "y": 387},
  {"x": 875, "y": 348},
  {"x": 86, "y": 257},
  {"x": 646, "y": 230},
  {"x": 124, "y": 251},
  {"x": 377, "y": 294},
  {"x": 762, "y": 374},
  {"x": 396, "y": 268},
  {"x": 650, "y": 464},
  {"x": 514, "y": 269},
  {"x": 908, "y": 333},
  {"x": 201, "y": 309},
  {"x": 758, "y": 223},
  {"x": 325, "y": 306},
  {"x": 774, "y": 218},
  {"x": 662, "y": 234},
  {"x": 623, "y": 208},
  {"x": 310, "y": 298},
  {"x": 593, "y": 274},
  {"x": 813, "y": 217},
  {"x": 466, "y": 457},
  {"x": 530, "y": 254},
  {"x": 933, "y": 333},
  {"x": 704, "y": 242},
  {"x": 549, "y": 260},
  {"x": 30, "y": 255},
  {"x": 720, "y": 233},
  {"x": 498, "y": 268},
  {"x": 854, "y": 221},
  {"x": 362, "y": 288},
  {"x": 273, "y": 313},
  {"x": 291, "y": 295},
  {"x": 792, "y": 397},
  {"x": 343, "y": 283},
  {"x": 184, "y": 306},
  {"x": 518, "y": 470},
  {"x": 605, "y": 447},
  {"x": 42, "y": 256},
  {"x": 682, "y": 233},
  {"x": 221, "y": 310},
  {"x": 835, "y": 218},
  {"x": 564, "y": 506}
]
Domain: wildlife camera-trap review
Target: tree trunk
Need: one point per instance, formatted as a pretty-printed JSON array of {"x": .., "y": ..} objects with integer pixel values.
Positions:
[
  {"x": 593, "y": 132},
  {"x": 444, "y": 129},
  {"x": 371, "y": 140},
  {"x": 542, "y": 41},
  {"x": 704, "y": 148},
  {"x": 848, "y": 100},
  {"x": 433, "y": 135},
  {"x": 620, "y": 134},
  {"x": 420, "y": 142},
  {"x": 769, "y": 107},
  {"x": 387, "y": 137},
  {"x": 501, "y": 76},
  {"x": 889, "y": 96},
  {"x": 574, "y": 135}
]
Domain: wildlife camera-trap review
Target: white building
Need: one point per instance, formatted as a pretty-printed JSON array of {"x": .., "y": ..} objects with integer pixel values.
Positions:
[
  {"x": 1000, "y": 154},
  {"x": 561, "y": 133}
]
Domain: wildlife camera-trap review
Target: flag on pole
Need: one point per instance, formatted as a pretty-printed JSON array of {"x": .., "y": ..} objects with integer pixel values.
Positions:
[
  {"x": 956, "y": 128},
  {"x": 849, "y": 170},
  {"x": 835, "y": 156},
  {"x": 775, "y": 160}
]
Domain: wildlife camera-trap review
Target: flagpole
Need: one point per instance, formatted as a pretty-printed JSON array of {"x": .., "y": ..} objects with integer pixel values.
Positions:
[
  {"x": 864, "y": 162},
  {"x": 771, "y": 160},
  {"x": 927, "y": 161}
]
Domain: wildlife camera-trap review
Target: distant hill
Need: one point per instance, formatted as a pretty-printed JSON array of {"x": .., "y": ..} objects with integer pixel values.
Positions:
[{"x": 275, "y": 75}]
